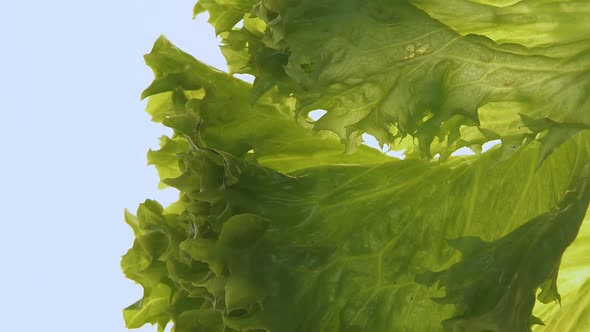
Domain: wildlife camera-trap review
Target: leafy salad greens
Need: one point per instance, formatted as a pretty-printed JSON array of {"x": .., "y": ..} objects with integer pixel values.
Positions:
[{"x": 286, "y": 224}]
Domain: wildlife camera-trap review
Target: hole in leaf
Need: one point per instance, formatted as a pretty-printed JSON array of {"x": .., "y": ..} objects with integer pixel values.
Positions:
[
  {"x": 316, "y": 114},
  {"x": 370, "y": 140},
  {"x": 239, "y": 25},
  {"x": 399, "y": 154},
  {"x": 464, "y": 151},
  {"x": 245, "y": 77},
  {"x": 488, "y": 145}
]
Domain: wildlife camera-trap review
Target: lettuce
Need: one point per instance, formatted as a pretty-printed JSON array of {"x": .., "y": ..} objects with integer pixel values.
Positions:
[{"x": 288, "y": 224}]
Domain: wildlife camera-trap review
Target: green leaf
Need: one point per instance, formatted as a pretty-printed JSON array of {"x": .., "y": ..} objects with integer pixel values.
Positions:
[
  {"x": 524, "y": 260},
  {"x": 414, "y": 73},
  {"x": 168, "y": 158},
  {"x": 280, "y": 227},
  {"x": 571, "y": 313},
  {"x": 230, "y": 122},
  {"x": 348, "y": 240},
  {"x": 574, "y": 316},
  {"x": 340, "y": 246},
  {"x": 199, "y": 321},
  {"x": 526, "y": 22},
  {"x": 152, "y": 308},
  {"x": 223, "y": 14}
]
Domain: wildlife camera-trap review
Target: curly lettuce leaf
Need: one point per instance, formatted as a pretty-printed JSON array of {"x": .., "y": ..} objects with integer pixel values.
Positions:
[
  {"x": 389, "y": 69},
  {"x": 266, "y": 132},
  {"x": 531, "y": 23},
  {"x": 482, "y": 284},
  {"x": 278, "y": 230},
  {"x": 572, "y": 312}
]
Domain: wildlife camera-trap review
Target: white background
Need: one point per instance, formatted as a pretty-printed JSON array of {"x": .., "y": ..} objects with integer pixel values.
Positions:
[{"x": 74, "y": 139}]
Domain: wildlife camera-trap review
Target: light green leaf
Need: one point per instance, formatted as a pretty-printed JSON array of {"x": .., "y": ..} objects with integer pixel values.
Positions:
[
  {"x": 571, "y": 313},
  {"x": 340, "y": 246},
  {"x": 504, "y": 275},
  {"x": 152, "y": 308},
  {"x": 168, "y": 158},
  {"x": 277, "y": 229},
  {"x": 229, "y": 121},
  {"x": 223, "y": 14},
  {"x": 414, "y": 73},
  {"x": 527, "y": 22}
]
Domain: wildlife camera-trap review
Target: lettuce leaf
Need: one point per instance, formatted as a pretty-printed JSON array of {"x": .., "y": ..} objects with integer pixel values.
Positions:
[
  {"x": 278, "y": 229},
  {"x": 526, "y": 22},
  {"x": 414, "y": 75}
]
